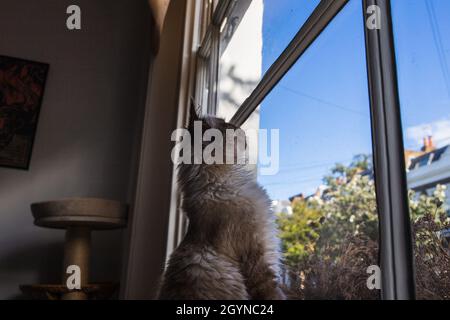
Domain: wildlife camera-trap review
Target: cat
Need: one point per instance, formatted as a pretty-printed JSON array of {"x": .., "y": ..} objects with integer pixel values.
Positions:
[{"x": 230, "y": 250}]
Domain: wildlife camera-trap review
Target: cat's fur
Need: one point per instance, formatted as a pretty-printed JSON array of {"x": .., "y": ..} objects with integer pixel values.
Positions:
[{"x": 230, "y": 250}]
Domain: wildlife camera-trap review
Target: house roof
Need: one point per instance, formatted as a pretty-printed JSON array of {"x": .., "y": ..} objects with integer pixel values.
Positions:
[
  {"x": 427, "y": 158},
  {"x": 300, "y": 195}
]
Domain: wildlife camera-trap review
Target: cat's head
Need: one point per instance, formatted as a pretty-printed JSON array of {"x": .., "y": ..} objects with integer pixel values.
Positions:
[
  {"x": 218, "y": 162},
  {"x": 222, "y": 143}
]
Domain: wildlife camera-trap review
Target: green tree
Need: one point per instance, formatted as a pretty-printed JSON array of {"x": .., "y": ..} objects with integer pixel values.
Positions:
[
  {"x": 299, "y": 231},
  {"x": 346, "y": 209}
]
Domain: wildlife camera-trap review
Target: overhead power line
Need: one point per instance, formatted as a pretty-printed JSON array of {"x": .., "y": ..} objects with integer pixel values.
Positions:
[
  {"x": 328, "y": 103},
  {"x": 437, "y": 38}
]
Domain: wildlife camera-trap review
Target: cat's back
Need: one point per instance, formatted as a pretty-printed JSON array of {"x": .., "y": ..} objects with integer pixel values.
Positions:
[{"x": 198, "y": 272}]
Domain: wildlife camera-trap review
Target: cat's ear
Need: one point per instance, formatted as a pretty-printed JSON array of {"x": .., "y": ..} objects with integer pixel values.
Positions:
[{"x": 193, "y": 116}]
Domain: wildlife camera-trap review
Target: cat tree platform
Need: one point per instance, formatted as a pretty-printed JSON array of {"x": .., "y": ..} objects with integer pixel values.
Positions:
[
  {"x": 80, "y": 212},
  {"x": 78, "y": 216}
]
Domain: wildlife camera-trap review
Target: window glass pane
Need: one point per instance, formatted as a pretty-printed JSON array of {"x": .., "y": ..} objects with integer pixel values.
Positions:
[
  {"x": 421, "y": 30},
  {"x": 323, "y": 193},
  {"x": 252, "y": 38},
  {"x": 282, "y": 20}
]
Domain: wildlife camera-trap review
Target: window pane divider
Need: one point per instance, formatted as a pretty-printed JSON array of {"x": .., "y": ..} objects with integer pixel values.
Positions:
[
  {"x": 222, "y": 10},
  {"x": 396, "y": 250}
]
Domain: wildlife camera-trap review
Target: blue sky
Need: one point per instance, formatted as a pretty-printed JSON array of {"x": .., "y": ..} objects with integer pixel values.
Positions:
[{"x": 321, "y": 106}]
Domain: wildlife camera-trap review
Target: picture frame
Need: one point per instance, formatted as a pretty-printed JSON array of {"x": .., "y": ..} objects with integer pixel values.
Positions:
[{"x": 22, "y": 86}]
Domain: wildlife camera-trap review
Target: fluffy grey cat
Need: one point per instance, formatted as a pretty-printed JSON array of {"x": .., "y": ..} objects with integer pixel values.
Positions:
[{"x": 230, "y": 250}]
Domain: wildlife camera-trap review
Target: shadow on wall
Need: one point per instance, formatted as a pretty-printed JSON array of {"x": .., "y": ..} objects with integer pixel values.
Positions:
[{"x": 238, "y": 85}]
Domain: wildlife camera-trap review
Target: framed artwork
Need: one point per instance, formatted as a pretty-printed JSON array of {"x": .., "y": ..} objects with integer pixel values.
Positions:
[{"x": 22, "y": 85}]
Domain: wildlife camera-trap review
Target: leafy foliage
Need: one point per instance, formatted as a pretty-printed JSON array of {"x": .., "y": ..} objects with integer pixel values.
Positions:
[
  {"x": 299, "y": 232},
  {"x": 329, "y": 241}
]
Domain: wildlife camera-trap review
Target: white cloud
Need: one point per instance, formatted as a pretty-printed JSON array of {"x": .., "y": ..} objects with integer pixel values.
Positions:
[{"x": 440, "y": 130}]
